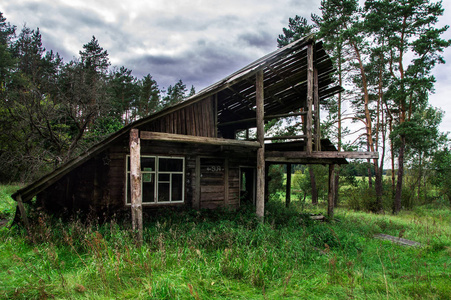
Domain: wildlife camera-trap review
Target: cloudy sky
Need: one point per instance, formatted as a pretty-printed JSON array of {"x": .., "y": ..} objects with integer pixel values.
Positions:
[{"x": 198, "y": 41}]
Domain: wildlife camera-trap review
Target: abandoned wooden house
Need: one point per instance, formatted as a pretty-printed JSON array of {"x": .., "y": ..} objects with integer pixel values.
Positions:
[{"x": 189, "y": 154}]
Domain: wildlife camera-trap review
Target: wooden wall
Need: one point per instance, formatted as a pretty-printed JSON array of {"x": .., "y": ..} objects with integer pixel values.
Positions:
[
  {"x": 99, "y": 184},
  {"x": 197, "y": 119}
]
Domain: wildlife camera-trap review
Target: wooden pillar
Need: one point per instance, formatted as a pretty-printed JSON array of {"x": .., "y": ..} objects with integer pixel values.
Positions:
[
  {"x": 330, "y": 199},
  {"x": 310, "y": 80},
  {"x": 23, "y": 213},
  {"x": 288, "y": 186},
  {"x": 135, "y": 183},
  {"x": 267, "y": 165},
  {"x": 317, "y": 111},
  {"x": 260, "y": 205}
]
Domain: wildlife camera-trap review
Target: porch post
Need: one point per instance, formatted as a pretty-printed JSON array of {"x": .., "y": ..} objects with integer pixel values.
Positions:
[
  {"x": 310, "y": 80},
  {"x": 288, "y": 186},
  {"x": 135, "y": 183},
  {"x": 260, "y": 205},
  {"x": 330, "y": 198}
]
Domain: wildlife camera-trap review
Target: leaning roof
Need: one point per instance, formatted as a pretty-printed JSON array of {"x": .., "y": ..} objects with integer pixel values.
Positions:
[{"x": 285, "y": 81}]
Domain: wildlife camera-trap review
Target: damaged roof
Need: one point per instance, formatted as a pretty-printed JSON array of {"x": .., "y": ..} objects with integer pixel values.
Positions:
[{"x": 285, "y": 90}]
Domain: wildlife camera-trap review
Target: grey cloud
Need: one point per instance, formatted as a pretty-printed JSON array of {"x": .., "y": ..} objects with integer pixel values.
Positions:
[
  {"x": 258, "y": 39},
  {"x": 200, "y": 66}
]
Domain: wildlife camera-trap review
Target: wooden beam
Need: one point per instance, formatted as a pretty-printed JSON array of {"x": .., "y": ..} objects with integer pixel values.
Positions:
[
  {"x": 268, "y": 117},
  {"x": 135, "y": 183},
  {"x": 180, "y": 138},
  {"x": 306, "y": 161},
  {"x": 309, "y": 96},
  {"x": 260, "y": 205},
  {"x": 288, "y": 186},
  {"x": 23, "y": 212},
  {"x": 330, "y": 198},
  {"x": 322, "y": 154},
  {"x": 317, "y": 111},
  {"x": 287, "y": 137}
]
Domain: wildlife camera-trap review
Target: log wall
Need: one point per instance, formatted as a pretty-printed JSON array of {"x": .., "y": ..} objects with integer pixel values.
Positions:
[
  {"x": 197, "y": 119},
  {"x": 99, "y": 185}
]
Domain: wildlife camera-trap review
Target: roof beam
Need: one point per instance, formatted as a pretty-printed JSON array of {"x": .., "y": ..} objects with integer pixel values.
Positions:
[
  {"x": 180, "y": 138},
  {"x": 322, "y": 154}
]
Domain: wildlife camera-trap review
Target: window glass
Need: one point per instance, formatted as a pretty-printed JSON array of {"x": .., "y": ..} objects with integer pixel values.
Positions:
[
  {"x": 163, "y": 192},
  {"x": 161, "y": 182},
  {"x": 148, "y": 192},
  {"x": 177, "y": 187},
  {"x": 170, "y": 165},
  {"x": 148, "y": 164}
]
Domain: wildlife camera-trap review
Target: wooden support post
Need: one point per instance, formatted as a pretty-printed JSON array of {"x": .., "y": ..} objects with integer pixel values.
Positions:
[
  {"x": 309, "y": 97},
  {"x": 317, "y": 111},
  {"x": 135, "y": 183},
  {"x": 288, "y": 186},
  {"x": 23, "y": 213},
  {"x": 330, "y": 199},
  {"x": 267, "y": 165},
  {"x": 260, "y": 205}
]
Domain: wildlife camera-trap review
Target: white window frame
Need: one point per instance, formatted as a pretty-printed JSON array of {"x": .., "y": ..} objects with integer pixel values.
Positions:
[{"x": 156, "y": 172}]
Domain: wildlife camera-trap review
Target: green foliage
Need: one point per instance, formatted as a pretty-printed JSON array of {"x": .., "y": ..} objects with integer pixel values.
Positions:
[
  {"x": 276, "y": 178},
  {"x": 230, "y": 254},
  {"x": 50, "y": 111},
  {"x": 442, "y": 172}
]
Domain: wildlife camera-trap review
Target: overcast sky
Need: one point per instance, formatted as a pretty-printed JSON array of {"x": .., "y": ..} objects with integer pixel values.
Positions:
[{"x": 198, "y": 41}]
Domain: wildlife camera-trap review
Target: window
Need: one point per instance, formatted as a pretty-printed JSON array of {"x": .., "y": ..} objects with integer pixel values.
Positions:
[{"x": 162, "y": 179}]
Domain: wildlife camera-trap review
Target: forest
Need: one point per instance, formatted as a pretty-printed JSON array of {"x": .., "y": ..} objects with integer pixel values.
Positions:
[{"x": 53, "y": 110}]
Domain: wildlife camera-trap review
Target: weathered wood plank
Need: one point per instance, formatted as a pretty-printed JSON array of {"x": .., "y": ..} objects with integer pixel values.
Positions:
[
  {"x": 330, "y": 195},
  {"x": 397, "y": 240},
  {"x": 135, "y": 183},
  {"x": 196, "y": 198},
  {"x": 288, "y": 186},
  {"x": 170, "y": 137},
  {"x": 322, "y": 154},
  {"x": 226, "y": 182},
  {"x": 317, "y": 111},
  {"x": 260, "y": 205},
  {"x": 309, "y": 96}
]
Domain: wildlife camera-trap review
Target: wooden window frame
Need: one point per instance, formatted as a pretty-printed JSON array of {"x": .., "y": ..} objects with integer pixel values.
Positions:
[{"x": 157, "y": 172}]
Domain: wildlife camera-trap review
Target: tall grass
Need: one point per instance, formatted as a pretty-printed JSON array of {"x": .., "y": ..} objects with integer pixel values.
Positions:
[{"x": 230, "y": 255}]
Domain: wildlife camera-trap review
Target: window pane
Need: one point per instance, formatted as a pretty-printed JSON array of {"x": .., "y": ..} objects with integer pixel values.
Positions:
[
  {"x": 129, "y": 198},
  {"x": 163, "y": 192},
  {"x": 170, "y": 164},
  {"x": 148, "y": 191},
  {"x": 177, "y": 187},
  {"x": 147, "y": 163},
  {"x": 164, "y": 177}
]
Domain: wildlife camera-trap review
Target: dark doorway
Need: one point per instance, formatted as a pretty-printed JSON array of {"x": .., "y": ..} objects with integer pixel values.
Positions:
[{"x": 247, "y": 185}]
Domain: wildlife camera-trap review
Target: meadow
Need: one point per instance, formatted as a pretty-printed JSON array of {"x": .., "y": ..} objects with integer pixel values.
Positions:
[{"x": 229, "y": 255}]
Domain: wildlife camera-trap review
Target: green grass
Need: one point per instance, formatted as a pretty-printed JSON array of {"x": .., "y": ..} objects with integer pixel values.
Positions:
[
  {"x": 230, "y": 255},
  {"x": 7, "y": 204}
]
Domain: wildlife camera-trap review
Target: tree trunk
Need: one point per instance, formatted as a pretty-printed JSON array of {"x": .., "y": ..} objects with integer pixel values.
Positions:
[
  {"x": 313, "y": 184},
  {"x": 397, "y": 200}
]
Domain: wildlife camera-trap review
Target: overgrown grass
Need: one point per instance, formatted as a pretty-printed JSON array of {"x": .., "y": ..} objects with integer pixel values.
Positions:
[
  {"x": 230, "y": 255},
  {"x": 7, "y": 205}
]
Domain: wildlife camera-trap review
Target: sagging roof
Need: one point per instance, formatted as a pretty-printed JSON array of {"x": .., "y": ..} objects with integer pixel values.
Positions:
[{"x": 285, "y": 90}]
